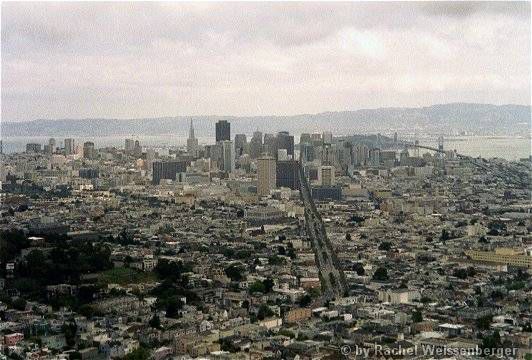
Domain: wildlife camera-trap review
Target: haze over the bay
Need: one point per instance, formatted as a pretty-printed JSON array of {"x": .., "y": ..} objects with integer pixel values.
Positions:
[{"x": 141, "y": 60}]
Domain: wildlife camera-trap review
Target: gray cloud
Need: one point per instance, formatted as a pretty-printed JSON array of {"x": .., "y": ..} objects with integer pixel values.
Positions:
[
  {"x": 155, "y": 59},
  {"x": 468, "y": 8}
]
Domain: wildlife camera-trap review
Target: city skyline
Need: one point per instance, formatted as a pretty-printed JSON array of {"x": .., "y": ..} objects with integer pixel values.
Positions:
[
  {"x": 231, "y": 59},
  {"x": 363, "y": 190}
]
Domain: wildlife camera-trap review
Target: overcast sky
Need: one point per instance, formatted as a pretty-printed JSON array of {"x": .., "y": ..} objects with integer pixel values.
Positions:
[{"x": 125, "y": 60}]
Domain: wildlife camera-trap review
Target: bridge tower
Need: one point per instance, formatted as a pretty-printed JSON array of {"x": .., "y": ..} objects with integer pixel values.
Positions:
[
  {"x": 440, "y": 143},
  {"x": 441, "y": 153}
]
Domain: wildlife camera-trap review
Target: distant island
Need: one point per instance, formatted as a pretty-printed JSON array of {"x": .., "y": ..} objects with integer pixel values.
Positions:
[{"x": 479, "y": 119}]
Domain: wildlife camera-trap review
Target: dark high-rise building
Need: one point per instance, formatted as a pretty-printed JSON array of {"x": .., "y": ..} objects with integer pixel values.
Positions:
[
  {"x": 255, "y": 145},
  {"x": 306, "y": 152},
  {"x": 129, "y": 146},
  {"x": 51, "y": 145},
  {"x": 167, "y": 170},
  {"x": 223, "y": 130},
  {"x": 88, "y": 150},
  {"x": 288, "y": 174},
  {"x": 89, "y": 173},
  {"x": 321, "y": 193},
  {"x": 32, "y": 147},
  {"x": 285, "y": 141},
  {"x": 137, "y": 149},
  {"x": 269, "y": 145},
  {"x": 305, "y": 139}
]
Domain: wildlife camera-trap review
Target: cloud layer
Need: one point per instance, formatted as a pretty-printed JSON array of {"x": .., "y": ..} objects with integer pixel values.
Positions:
[{"x": 77, "y": 60}]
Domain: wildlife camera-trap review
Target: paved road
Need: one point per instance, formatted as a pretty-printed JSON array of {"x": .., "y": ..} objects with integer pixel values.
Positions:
[{"x": 331, "y": 276}]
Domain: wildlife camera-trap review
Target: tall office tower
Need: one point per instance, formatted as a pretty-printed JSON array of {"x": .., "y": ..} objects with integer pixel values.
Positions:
[
  {"x": 306, "y": 152},
  {"x": 304, "y": 139},
  {"x": 266, "y": 175},
  {"x": 360, "y": 155},
  {"x": 215, "y": 153},
  {"x": 32, "y": 147},
  {"x": 150, "y": 157},
  {"x": 170, "y": 170},
  {"x": 346, "y": 154},
  {"x": 129, "y": 146},
  {"x": 388, "y": 156},
  {"x": 85, "y": 173},
  {"x": 286, "y": 141},
  {"x": 69, "y": 147},
  {"x": 395, "y": 138},
  {"x": 223, "y": 130},
  {"x": 192, "y": 142},
  {"x": 288, "y": 174},
  {"x": 255, "y": 145},
  {"x": 316, "y": 139},
  {"x": 327, "y": 137},
  {"x": 1, "y": 147},
  {"x": 51, "y": 145},
  {"x": 228, "y": 156},
  {"x": 269, "y": 146},
  {"x": 88, "y": 150},
  {"x": 137, "y": 149},
  {"x": 375, "y": 157},
  {"x": 240, "y": 144},
  {"x": 326, "y": 154},
  {"x": 326, "y": 175}
]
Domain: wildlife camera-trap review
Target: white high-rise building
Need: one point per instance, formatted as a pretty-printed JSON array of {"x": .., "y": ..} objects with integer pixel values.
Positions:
[{"x": 282, "y": 155}]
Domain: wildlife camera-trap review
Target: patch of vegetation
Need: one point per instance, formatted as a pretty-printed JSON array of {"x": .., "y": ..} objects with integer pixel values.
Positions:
[{"x": 125, "y": 276}]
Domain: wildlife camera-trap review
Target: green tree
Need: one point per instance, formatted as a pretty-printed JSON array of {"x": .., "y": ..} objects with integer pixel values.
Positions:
[
  {"x": 155, "y": 322},
  {"x": 359, "y": 269},
  {"x": 235, "y": 272},
  {"x": 257, "y": 286},
  {"x": 139, "y": 354},
  {"x": 268, "y": 285},
  {"x": 492, "y": 341},
  {"x": 484, "y": 322},
  {"x": 173, "y": 306},
  {"x": 70, "y": 329},
  {"x": 19, "y": 304},
  {"x": 417, "y": 316},
  {"x": 385, "y": 246},
  {"x": 264, "y": 312},
  {"x": 381, "y": 274},
  {"x": 305, "y": 300}
]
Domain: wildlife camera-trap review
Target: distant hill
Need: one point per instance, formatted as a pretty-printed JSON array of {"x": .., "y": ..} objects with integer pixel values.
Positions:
[{"x": 445, "y": 118}]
